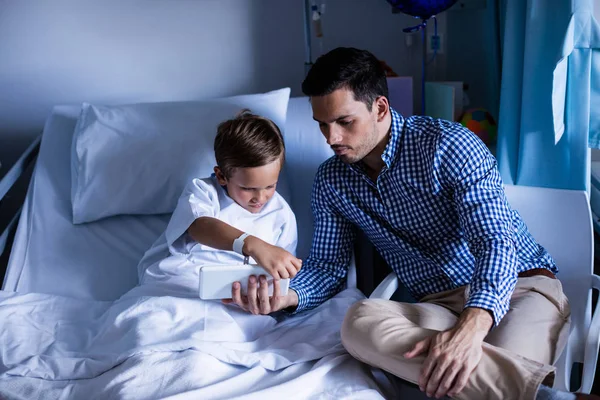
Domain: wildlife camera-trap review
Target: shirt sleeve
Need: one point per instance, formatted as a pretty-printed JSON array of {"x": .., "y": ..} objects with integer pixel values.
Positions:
[
  {"x": 485, "y": 217},
  {"x": 288, "y": 239},
  {"x": 199, "y": 199},
  {"x": 324, "y": 272}
]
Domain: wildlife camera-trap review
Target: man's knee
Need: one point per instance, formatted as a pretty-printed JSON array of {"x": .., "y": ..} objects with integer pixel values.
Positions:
[
  {"x": 360, "y": 325},
  {"x": 351, "y": 327}
]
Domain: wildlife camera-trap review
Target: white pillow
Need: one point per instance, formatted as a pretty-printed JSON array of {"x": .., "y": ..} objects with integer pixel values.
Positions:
[{"x": 137, "y": 158}]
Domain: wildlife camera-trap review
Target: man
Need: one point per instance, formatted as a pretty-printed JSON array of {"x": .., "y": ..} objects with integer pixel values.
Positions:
[{"x": 491, "y": 317}]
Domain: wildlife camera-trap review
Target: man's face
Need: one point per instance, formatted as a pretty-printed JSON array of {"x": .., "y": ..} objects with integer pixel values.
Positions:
[{"x": 349, "y": 127}]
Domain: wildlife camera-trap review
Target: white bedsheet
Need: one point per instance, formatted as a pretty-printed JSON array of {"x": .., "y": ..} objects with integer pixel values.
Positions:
[
  {"x": 182, "y": 376},
  {"x": 50, "y": 254},
  {"x": 156, "y": 343}
]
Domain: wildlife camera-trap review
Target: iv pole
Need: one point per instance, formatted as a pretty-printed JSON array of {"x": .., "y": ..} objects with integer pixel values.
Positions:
[{"x": 307, "y": 38}]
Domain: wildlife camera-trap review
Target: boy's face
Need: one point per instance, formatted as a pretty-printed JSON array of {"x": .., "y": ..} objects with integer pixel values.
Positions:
[
  {"x": 350, "y": 128},
  {"x": 251, "y": 188}
]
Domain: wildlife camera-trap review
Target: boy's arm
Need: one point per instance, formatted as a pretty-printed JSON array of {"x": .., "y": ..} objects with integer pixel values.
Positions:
[
  {"x": 220, "y": 235},
  {"x": 197, "y": 215},
  {"x": 214, "y": 233}
]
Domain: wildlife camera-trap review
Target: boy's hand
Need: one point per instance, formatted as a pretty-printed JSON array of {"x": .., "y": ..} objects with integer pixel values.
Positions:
[
  {"x": 279, "y": 263},
  {"x": 257, "y": 300}
]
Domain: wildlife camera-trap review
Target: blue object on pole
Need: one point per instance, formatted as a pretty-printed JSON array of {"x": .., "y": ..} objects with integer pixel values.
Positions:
[{"x": 423, "y": 9}]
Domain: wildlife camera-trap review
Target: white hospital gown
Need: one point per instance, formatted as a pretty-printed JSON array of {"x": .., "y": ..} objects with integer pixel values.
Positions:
[{"x": 275, "y": 224}]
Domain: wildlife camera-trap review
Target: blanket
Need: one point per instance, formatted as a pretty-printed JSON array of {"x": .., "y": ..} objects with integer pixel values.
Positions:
[{"x": 158, "y": 342}]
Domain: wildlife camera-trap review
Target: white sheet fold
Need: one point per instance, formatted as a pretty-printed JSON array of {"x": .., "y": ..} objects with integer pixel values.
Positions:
[
  {"x": 58, "y": 338},
  {"x": 160, "y": 341}
]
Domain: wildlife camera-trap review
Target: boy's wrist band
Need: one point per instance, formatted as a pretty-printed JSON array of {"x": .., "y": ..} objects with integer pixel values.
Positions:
[{"x": 238, "y": 244}]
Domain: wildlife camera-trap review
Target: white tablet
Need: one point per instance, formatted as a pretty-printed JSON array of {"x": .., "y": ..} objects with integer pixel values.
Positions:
[{"x": 216, "y": 280}]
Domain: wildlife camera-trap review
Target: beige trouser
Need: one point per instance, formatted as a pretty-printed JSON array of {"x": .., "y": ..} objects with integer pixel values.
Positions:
[{"x": 517, "y": 355}]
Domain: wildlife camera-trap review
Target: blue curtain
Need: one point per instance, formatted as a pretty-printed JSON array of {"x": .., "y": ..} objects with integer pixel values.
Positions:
[{"x": 550, "y": 92}]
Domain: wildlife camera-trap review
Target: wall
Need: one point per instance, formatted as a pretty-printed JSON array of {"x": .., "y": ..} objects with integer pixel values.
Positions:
[
  {"x": 114, "y": 51},
  {"x": 472, "y": 56}
]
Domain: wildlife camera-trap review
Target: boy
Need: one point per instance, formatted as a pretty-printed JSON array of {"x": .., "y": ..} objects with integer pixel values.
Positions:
[{"x": 234, "y": 213}]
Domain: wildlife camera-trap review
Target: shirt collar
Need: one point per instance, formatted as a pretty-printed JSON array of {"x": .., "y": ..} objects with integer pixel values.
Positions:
[{"x": 391, "y": 150}]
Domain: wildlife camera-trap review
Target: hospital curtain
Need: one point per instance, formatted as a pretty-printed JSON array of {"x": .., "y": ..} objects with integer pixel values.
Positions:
[{"x": 550, "y": 92}]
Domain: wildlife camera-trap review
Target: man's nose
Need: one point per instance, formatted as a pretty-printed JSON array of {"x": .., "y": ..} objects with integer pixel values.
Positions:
[{"x": 333, "y": 136}]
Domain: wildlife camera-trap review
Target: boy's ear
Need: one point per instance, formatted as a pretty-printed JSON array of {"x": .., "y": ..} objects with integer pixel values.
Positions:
[{"x": 220, "y": 177}]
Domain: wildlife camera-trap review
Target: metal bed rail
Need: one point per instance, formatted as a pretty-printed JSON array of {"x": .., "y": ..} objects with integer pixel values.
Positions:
[{"x": 9, "y": 180}]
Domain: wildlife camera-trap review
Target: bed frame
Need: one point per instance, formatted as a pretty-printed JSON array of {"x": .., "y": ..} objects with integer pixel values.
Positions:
[{"x": 8, "y": 182}]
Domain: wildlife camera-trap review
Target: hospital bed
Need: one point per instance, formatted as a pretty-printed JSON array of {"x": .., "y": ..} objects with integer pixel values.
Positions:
[{"x": 98, "y": 260}]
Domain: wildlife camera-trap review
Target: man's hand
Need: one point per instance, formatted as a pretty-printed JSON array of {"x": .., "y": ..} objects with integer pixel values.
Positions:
[
  {"x": 452, "y": 355},
  {"x": 257, "y": 300},
  {"x": 279, "y": 263}
]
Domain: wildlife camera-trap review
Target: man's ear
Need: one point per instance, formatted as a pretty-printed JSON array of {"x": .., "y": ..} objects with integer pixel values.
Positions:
[
  {"x": 220, "y": 177},
  {"x": 381, "y": 106}
]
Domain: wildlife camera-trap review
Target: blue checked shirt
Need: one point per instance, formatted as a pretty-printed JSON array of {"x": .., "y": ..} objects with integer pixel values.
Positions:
[{"x": 437, "y": 214}]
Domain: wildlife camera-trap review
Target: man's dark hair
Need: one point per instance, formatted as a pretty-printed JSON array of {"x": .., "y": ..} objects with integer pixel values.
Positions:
[
  {"x": 348, "y": 68},
  {"x": 247, "y": 141}
]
